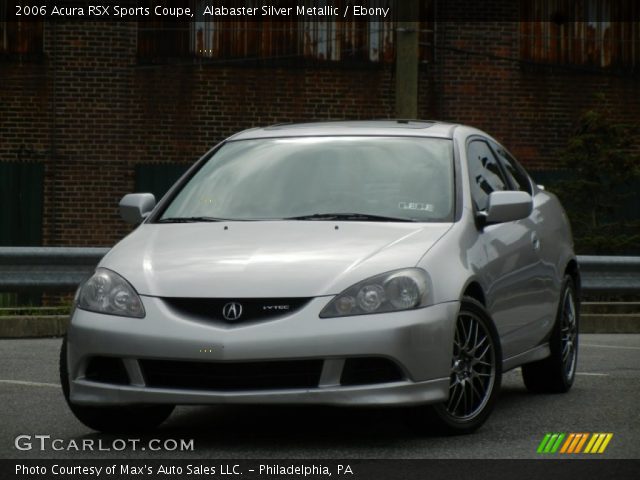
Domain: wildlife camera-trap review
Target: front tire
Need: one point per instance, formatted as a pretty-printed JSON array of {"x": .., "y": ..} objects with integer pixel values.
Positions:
[
  {"x": 556, "y": 373},
  {"x": 476, "y": 372},
  {"x": 125, "y": 419}
]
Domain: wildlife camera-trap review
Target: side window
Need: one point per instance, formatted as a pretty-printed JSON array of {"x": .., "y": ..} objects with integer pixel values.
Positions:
[
  {"x": 484, "y": 173},
  {"x": 519, "y": 179}
]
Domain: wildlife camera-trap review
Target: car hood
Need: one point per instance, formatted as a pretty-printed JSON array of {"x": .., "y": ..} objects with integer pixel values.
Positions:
[{"x": 265, "y": 259}]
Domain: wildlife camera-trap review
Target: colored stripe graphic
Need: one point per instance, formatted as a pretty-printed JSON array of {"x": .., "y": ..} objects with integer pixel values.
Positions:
[
  {"x": 550, "y": 443},
  {"x": 605, "y": 443},
  {"x": 568, "y": 442},
  {"x": 576, "y": 442},
  {"x": 573, "y": 443},
  {"x": 555, "y": 447},
  {"x": 581, "y": 443},
  {"x": 543, "y": 443},
  {"x": 598, "y": 442},
  {"x": 594, "y": 437}
]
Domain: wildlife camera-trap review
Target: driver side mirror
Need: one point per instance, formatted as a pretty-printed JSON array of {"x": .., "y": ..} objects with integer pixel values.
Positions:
[
  {"x": 506, "y": 206},
  {"x": 135, "y": 207}
]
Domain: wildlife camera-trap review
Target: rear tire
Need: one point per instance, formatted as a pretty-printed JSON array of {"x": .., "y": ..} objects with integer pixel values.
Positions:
[
  {"x": 476, "y": 373},
  {"x": 125, "y": 419},
  {"x": 556, "y": 373}
]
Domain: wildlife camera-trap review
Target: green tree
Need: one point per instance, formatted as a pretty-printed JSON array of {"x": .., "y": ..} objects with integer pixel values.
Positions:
[{"x": 602, "y": 167}]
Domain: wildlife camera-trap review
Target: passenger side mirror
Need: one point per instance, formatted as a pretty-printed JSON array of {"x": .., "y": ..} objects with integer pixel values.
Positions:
[
  {"x": 135, "y": 207},
  {"x": 507, "y": 206}
]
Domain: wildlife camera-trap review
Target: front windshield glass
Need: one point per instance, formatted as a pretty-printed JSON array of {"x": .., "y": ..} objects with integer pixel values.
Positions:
[{"x": 404, "y": 178}]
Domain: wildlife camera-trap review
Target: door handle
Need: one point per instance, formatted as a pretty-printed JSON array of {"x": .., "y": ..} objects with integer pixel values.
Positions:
[{"x": 535, "y": 241}]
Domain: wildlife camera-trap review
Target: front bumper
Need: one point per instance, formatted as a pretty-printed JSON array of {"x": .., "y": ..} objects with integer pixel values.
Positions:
[{"x": 419, "y": 342}]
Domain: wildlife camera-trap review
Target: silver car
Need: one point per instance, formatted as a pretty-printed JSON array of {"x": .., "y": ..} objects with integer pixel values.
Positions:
[{"x": 400, "y": 263}]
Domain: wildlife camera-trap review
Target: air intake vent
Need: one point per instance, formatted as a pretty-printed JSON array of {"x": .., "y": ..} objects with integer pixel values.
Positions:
[
  {"x": 106, "y": 370},
  {"x": 268, "y": 375},
  {"x": 370, "y": 370}
]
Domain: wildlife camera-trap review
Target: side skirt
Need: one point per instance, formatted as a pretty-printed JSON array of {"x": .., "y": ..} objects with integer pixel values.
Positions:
[{"x": 537, "y": 353}]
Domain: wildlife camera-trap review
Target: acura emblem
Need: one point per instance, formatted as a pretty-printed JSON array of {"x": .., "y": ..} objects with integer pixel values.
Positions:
[{"x": 232, "y": 311}]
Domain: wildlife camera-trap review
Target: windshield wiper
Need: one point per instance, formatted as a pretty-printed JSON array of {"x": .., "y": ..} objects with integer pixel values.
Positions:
[
  {"x": 362, "y": 217},
  {"x": 191, "y": 219}
]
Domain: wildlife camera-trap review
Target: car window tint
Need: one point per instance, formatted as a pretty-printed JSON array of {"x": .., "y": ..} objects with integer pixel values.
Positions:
[
  {"x": 516, "y": 173},
  {"x": 484, "y": 173}
]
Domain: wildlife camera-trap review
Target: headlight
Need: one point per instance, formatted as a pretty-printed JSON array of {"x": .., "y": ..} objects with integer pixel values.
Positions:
[
  {"x": 107, "y": 292},
  {"x": 389, "y": 292}
]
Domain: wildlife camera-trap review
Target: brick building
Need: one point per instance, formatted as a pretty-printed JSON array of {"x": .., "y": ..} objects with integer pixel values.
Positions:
[{"x": 90, "y": 111}]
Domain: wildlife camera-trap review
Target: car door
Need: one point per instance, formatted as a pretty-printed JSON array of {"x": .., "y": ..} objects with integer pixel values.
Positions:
[
  {"x": 544, "y": 288},
  {"x": 504, "y": 254}
]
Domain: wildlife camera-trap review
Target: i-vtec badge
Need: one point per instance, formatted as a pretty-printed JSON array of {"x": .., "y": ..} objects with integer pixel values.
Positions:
[
  {"x": 273, "y": 308},
  {"x": 232, "y": 311}
]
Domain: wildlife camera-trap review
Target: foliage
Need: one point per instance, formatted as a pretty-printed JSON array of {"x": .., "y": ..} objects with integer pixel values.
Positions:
[
  {"x": 30, "y": 304},
  {"x": 603, "y": 166}
]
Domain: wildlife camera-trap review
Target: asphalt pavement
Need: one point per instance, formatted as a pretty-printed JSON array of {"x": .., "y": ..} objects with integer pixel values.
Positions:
[{"x": 605, "y": 398}]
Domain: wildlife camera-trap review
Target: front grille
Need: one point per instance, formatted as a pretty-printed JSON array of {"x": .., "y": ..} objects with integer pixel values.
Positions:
[
  {"x": 231, "y": 375},
  {"x": 106, "y": 370},
  {"x": 369, "y": 370},
  {"x": 238, "y": 310}
]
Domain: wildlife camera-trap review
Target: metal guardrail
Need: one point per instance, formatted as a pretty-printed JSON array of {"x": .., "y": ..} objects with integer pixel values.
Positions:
[
  {"x": 64, "y": 268},
  {"x": 609, "y": 274},
  {"x": 46, "y": 268}
]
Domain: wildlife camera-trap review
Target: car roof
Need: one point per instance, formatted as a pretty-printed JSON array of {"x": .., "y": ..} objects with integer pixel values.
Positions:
[{"x": 413, "y": 128}]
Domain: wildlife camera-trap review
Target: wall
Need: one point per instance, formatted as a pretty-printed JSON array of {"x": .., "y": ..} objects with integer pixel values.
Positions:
[
  {"x": 479, "y": 78},
  {"x": 91, "y": 112}
]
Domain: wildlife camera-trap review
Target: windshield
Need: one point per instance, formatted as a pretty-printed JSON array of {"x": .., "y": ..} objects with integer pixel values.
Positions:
[{"x": 316, "y": 178}]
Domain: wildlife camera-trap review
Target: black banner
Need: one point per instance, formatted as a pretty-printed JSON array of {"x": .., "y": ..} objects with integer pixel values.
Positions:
[
  {"x": 320, "y": 469},
  {"x": 322, "y": 10}
]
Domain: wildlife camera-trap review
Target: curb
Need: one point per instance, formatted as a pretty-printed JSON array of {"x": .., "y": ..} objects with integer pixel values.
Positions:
[
  {"x": 33, "y": 326},
  {"x": 609, "y": 323}
]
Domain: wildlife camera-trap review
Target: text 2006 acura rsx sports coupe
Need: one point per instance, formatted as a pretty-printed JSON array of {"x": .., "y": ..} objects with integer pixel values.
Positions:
[{"x": 354, "y": 263}]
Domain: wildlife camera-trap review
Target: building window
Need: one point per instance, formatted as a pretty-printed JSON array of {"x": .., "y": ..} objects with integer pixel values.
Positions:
[
  {"x": 264, "y": 40},
  {"x": 21, "y": 190},
  {"x": 581, "y": 32},
  {"x": 21, "y": 197},
  {"x": 18, "y": 37}
]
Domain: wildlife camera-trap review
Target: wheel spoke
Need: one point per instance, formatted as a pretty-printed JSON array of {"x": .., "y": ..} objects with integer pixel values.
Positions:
[
  {"x": 472, "y": 367},
  {"x": 468, "y": 400},
  {"x": 456, "y": 339},
  {"x": 475, "y": 390},
  {"x": 472, "y": 341},
  {"x": 571, "y": 308},
  {"x": 464, "y": 333},
  {"x": 460, "y": 395},
  {"x": 478, "y": 345},
  {"x": 484, "y": 352},
  {"x": 567, "y": 350},
  {"x": 568, "y": 333},
  {"x": 475, "y": 339}
]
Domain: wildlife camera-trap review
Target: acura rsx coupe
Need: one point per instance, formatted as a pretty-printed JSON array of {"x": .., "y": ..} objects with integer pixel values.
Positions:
[{"x": 397, "y": 263}]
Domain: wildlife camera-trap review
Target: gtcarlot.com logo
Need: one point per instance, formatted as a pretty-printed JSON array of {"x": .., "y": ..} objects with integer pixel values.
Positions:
[
  {"x": 575, "y": 443},
  {"x": 46, "y": 442}
]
